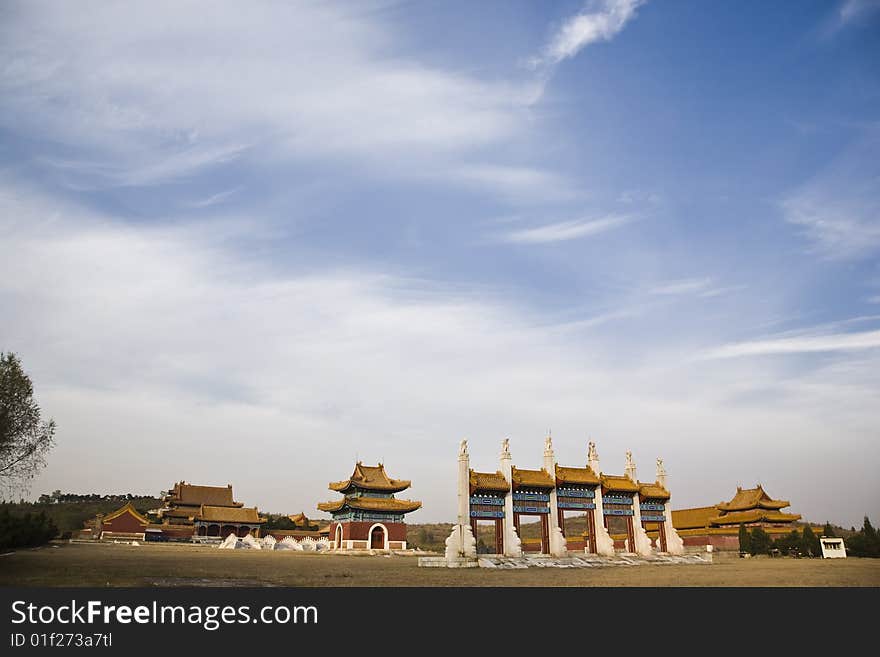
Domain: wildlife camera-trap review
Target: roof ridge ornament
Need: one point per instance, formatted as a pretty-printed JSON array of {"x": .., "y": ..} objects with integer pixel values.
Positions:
[
  {"x": 593, "y": 457},
  {"x": 630, "y": 467}
]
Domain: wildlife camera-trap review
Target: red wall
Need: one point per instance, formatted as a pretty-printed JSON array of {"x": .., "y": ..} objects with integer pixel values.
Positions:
[
  {"x": 124, "y": 523},
  {"x": 360, "y": 531},
  {"x": 718, "y": 542},
  {"x": 176, "y": 531}
]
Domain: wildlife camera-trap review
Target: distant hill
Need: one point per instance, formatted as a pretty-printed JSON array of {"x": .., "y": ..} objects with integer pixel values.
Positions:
[{"x": 69, "y": 510}]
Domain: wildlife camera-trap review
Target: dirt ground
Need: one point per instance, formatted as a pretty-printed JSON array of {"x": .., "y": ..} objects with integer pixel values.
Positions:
[{"x": 185, "y": 565}]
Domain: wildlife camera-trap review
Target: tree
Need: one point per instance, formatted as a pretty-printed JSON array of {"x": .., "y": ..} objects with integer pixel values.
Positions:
[
  {"x": 828, "y": 530},
  {"x": 745, "y": 541},
  {"x": 761, "y": 541},
  {"x": 810, "y": 543},
  {"x": 789, "y": 544},
  {"x": 865, "y": 542},
  {"x": 25, "y": 439}
]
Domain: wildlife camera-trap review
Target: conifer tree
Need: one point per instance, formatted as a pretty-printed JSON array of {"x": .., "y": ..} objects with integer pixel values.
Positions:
[
  {"x": 810, "y": 543},
  {"x": 760, "y": 541},
  {"x": 745, "y": 541}
]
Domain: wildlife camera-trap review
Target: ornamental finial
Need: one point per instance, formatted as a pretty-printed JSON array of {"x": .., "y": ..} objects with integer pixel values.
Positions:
[{"x": 462, "y": 448}]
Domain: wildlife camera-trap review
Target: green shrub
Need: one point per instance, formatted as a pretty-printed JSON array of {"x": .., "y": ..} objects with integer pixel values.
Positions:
[{"x": 28, "y": 530}]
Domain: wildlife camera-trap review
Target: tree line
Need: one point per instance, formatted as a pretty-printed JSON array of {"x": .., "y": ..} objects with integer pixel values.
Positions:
[
  {"x": 862, "y": 543},
  {"x": 57, "y": 497},
  {"x": 28, "y": 530}
]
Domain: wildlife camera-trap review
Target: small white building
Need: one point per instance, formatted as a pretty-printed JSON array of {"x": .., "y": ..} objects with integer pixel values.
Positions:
[{"x": 832, "y": 548}]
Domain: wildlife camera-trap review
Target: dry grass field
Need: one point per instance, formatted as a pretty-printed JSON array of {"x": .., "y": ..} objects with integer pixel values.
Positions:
[{"x": 185, "y": 565}]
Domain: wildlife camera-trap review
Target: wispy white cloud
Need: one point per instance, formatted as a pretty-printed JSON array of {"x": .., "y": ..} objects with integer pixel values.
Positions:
[
  {"x": 152, "y": 100},
  {"x": 700, "y": 287},
  {"x": 799, "y": 345},
  {"x": 683, "y": 286},
  {"x": 847, "y": 14},
  {"x": 836, "y": 231},
  {"x": 838, "y": 210},
  {"x": 591, "y": 26},
  {"x": 213, "y": 199},
  {"x": 851, "y": 11},
  {"x": 148, "y": 333},
  {"x": 565, "y": 230},
  {"x": 599, "y": 21},
  {"x": 515, "y": 182}
]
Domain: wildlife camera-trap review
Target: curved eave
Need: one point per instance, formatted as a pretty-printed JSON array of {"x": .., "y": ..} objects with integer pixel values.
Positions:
[
  {"x": 490, "y": 482},
  {"x": 653, "y": 492},
  {"x": 127, "y": 508},
  {"x": 532, "y": 479},
  {"x": 382, "y": 505},
  {"x": 770, "y": 505},
  {"x": 773, "y": 505},
  {"x": 738, "y": 518},
  {"x": 616, "y": 484},
  {"x": 576, "y": 476},
  {"x": 348, "y": 486}
]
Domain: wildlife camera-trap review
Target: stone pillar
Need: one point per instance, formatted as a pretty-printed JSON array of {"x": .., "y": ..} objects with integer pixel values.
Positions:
[
  {"x": 604, "y": 542},
  {"x": 674, "y": 542},
  {"x": 558, "y": 546},
  {"x": 642, "y": 541},
  {"x": 461, "y": 542},
  {"x": 512, "y": 542}
]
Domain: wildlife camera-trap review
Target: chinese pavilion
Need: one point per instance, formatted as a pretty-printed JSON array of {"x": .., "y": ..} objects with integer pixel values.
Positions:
[
  {"x": 718, "y": 525},
  {"x": 369, "y": 517},
  {"x": 618, "y": 511}
]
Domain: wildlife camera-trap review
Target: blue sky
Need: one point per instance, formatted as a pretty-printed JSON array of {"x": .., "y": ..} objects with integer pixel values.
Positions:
[{"x": 249, "y": 246}]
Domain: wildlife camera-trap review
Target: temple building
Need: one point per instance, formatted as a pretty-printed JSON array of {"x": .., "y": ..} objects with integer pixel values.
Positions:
[
  {"x": 617, "y": 511},
  {"x": 221, "y": 521},
  {"x": 190, "y": 511},
  {"x": 368, "y": 517},
  {"x": 718, "y": 525},
  {"x": 124, "y": 523}
]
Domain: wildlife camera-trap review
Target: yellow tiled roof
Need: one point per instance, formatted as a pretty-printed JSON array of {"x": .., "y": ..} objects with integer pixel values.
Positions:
[
  {"x": 623, "y": 484},
  {"x": 753, "y": 515},
  {"x": 126, "y": 508},
  {"x": 581, "y": 476},
  {"x": 493, "y": 481},
  {"x": 695, "y": 518},
  {"x": 229, "y": 514},
  {"x": 752, "y": 498},
  {"x": 370, "y": 477},
  {"x": 184, "y": 493},
  {"x": 302, "y": 521},
  {"x": 388, "y": 504},
  {"x": 532, "y": 478},
  {"x": 653, "y": 491}
]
